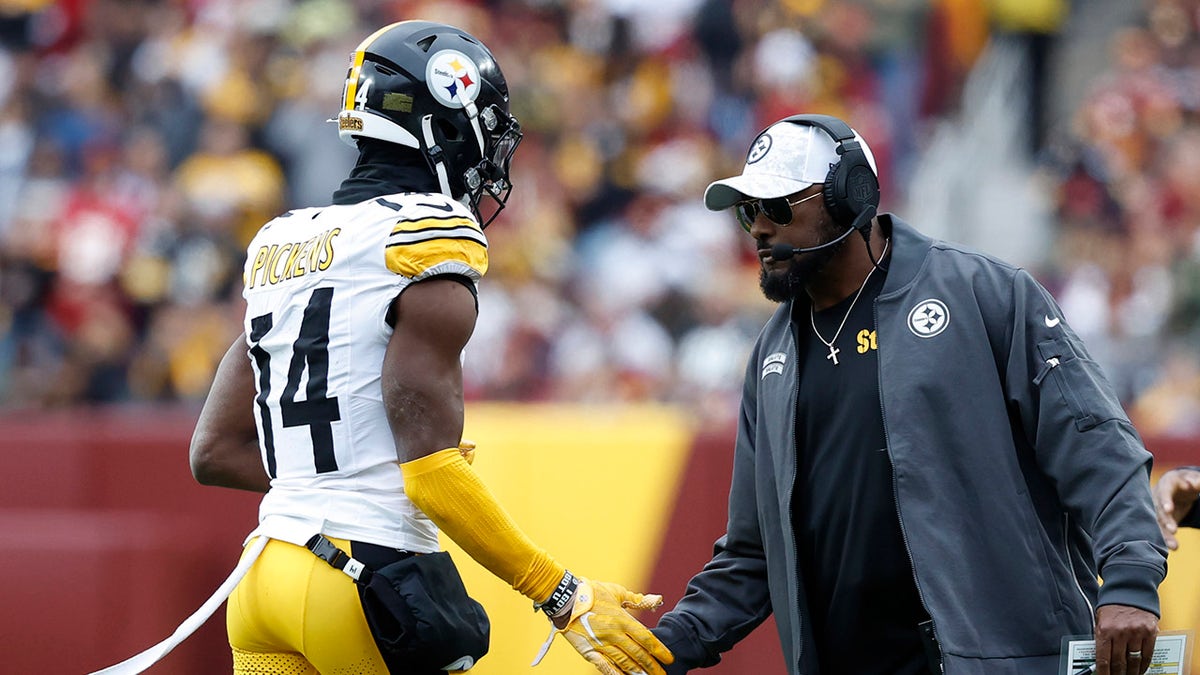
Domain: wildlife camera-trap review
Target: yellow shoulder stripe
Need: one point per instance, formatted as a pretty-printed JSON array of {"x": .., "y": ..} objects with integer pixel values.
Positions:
[{"x": 415, "y": 258}]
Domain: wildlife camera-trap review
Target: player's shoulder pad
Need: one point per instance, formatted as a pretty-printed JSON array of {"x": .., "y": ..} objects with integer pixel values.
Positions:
[
  {"x": 279, "y": 225},
  {"x": 433, "y": 234},
  {"x": 283, "y": 219}
]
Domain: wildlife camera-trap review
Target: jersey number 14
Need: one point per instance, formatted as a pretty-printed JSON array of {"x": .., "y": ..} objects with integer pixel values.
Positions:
[{"x": 310, "y": 352}]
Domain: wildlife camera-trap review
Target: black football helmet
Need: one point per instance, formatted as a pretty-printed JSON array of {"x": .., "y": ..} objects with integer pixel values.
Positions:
[{"x": 435, "y": 88}]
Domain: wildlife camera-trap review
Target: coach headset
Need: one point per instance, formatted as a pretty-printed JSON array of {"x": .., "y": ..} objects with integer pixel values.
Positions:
[{"x": 851, "y": 187}]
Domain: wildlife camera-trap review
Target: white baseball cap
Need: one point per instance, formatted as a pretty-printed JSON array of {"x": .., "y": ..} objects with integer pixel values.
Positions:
[{"x": 783, "y": 160}]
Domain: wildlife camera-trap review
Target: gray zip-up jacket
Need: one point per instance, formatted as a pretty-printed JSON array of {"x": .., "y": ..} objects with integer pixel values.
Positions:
[{"x": 1018, "y": 476}]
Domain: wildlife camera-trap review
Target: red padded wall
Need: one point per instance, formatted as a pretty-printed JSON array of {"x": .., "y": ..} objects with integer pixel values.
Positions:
[{"x": 108, "y": 542}]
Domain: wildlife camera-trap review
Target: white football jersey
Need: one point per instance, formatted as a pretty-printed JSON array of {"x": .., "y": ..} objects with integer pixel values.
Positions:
[{"x": 318, "y": 284}]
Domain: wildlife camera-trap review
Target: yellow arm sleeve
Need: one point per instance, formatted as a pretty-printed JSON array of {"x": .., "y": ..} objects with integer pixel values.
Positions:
[{"x": 447, "y": 490}]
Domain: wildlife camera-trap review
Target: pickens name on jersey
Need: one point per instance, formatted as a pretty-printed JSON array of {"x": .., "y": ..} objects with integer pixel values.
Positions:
[{"x": 298, "y": 258}]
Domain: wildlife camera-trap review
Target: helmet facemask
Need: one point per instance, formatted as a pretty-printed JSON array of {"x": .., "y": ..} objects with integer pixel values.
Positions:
[{"x": 491, "y": 175}]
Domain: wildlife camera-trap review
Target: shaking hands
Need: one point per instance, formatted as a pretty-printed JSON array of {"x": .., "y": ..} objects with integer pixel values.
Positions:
[{"x": 601, "y": 629}]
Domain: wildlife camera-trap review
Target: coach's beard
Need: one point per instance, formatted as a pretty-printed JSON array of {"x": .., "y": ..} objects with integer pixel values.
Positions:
[{"x": 783, "y": 285}]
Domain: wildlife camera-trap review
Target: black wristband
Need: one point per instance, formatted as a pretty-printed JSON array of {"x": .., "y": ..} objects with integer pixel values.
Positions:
[{"x": 561, "y": 596}]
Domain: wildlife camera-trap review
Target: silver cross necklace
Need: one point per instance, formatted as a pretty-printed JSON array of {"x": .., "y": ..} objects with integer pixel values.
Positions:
[{"x": 834, "y": 351}]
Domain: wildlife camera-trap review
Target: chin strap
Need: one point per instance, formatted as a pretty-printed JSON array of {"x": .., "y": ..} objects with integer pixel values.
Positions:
[
  {"x": 473, "y": 115},
  {"x": 435, "y": 154}
]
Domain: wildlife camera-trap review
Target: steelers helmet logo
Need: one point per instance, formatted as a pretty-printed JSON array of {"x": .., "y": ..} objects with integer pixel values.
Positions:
[
  {"x": 759, "y": 150},
  {"x": 928, "y": 318},
  {"x": 453, "y": 78}
]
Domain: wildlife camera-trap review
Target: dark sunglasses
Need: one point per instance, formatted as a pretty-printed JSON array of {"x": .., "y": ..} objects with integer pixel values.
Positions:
[{"x": 777, "y": 209}]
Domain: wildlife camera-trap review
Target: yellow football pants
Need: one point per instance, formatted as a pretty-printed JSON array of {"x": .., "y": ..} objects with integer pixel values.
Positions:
[{"x": 293, "y": 614}]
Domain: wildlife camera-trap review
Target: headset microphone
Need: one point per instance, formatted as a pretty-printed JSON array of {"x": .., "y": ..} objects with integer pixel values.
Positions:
[{"x": 785, "y": 252}]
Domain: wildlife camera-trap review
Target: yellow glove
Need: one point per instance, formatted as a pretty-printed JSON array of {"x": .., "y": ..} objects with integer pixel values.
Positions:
[{"x": 608, "y": 636}]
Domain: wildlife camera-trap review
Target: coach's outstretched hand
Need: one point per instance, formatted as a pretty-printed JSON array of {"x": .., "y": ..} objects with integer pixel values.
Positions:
[{"x": 600, "y": 628}]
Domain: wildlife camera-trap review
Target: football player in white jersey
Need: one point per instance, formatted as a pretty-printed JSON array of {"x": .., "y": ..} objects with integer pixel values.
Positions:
[{"x": 343, "y": 399}]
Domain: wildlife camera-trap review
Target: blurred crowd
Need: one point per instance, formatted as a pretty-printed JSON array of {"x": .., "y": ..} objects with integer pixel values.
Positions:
[
  {"x": 142, "y": 142},
  {"x": 1126, "y": 264}
]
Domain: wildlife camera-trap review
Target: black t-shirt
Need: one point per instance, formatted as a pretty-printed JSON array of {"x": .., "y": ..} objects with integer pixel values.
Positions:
[{"x": 864, "y": 609}]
